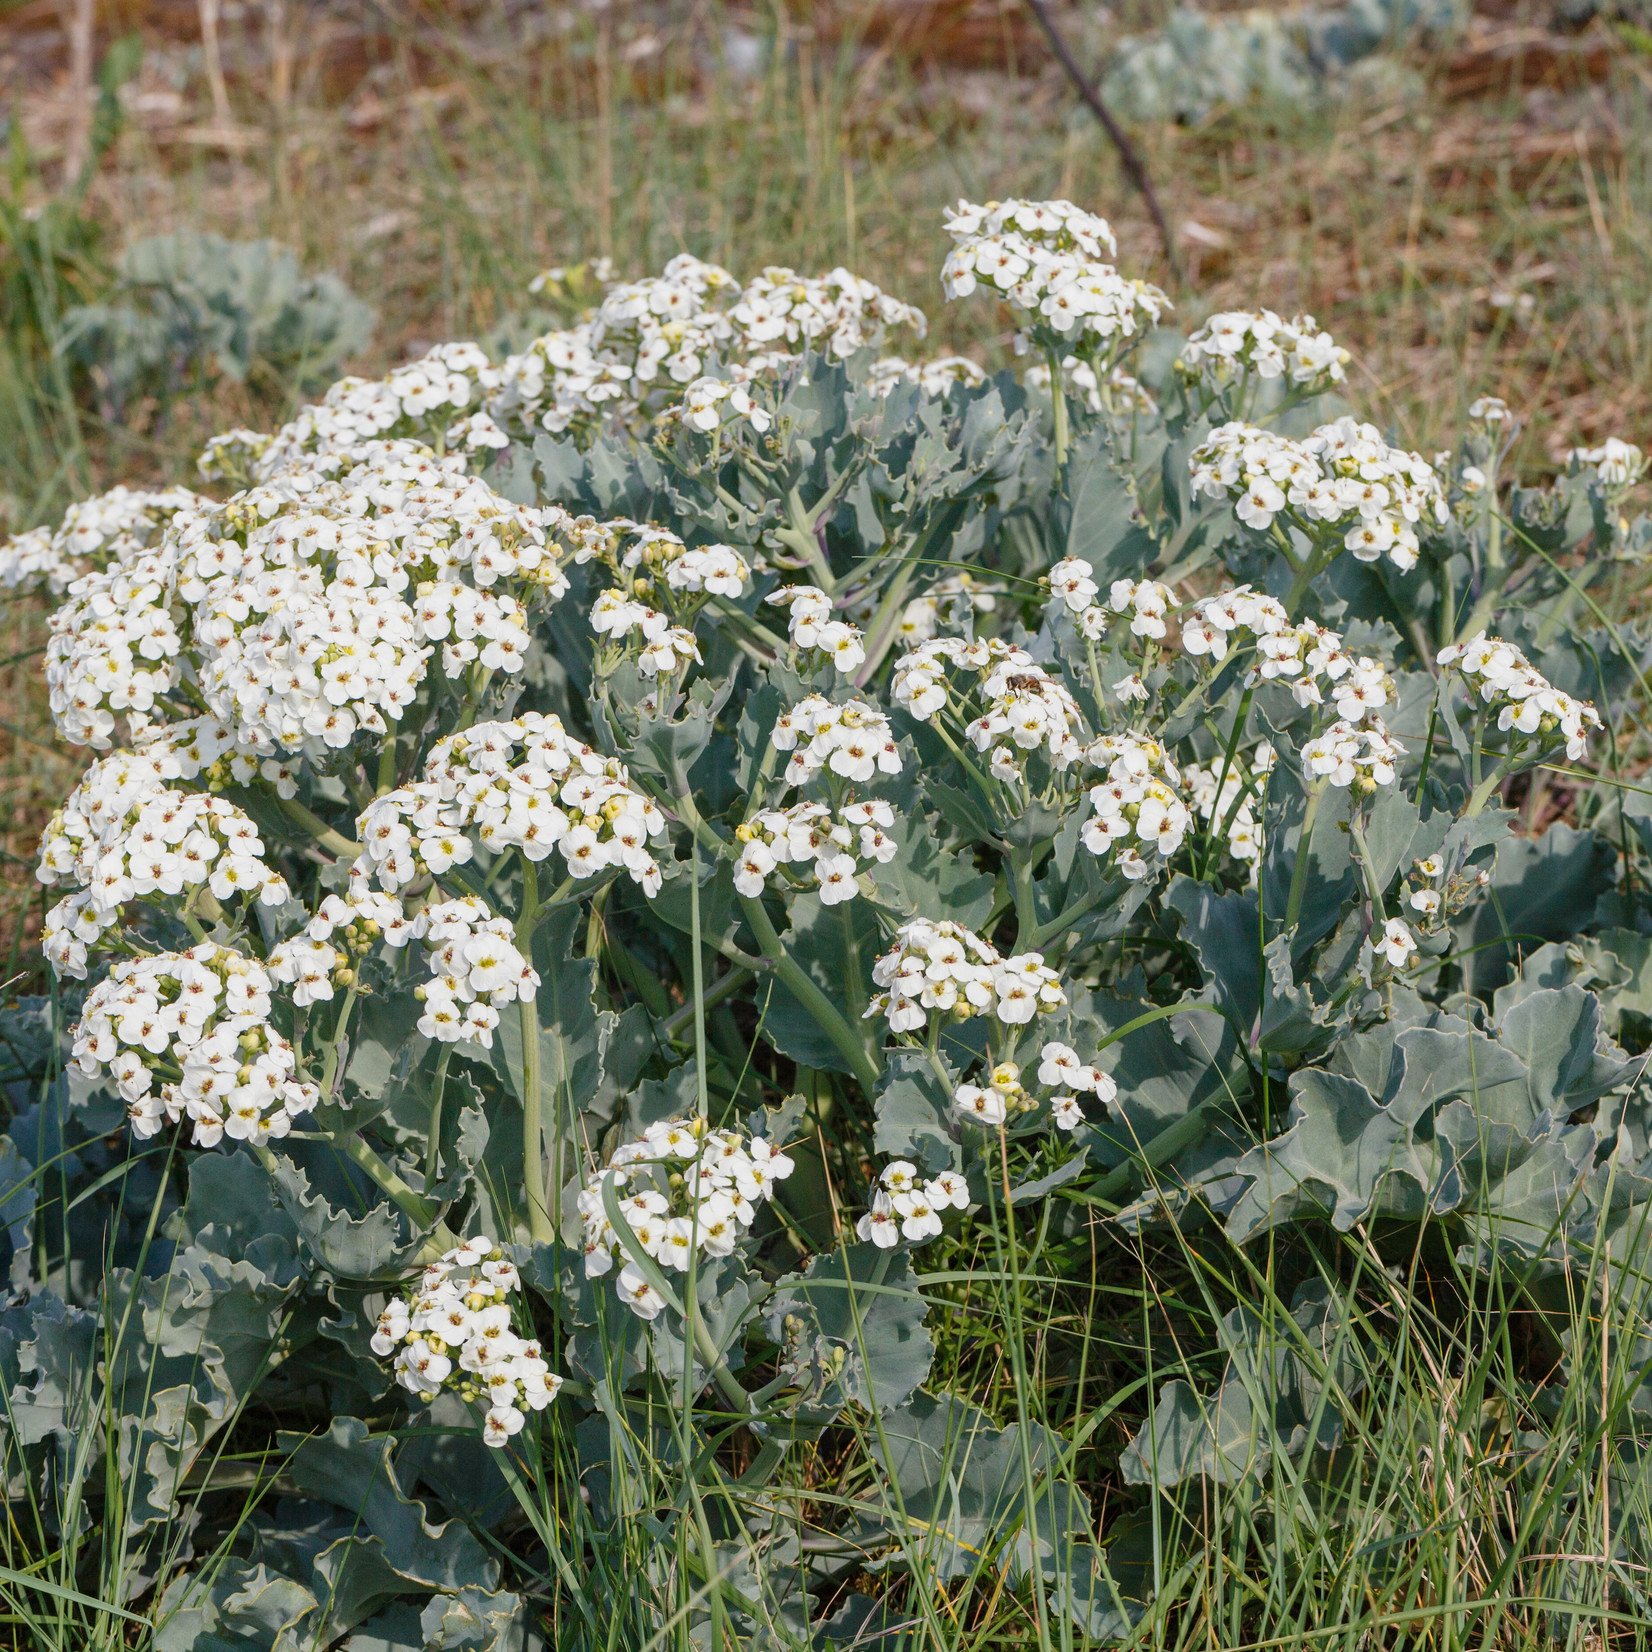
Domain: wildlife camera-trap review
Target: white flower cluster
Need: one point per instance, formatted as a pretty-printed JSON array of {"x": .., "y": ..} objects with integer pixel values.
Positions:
[
  {"x": 1148, "y": 602},
  {"x": 320, "y": 958},
  {"x": 933, "y": 377},
  {"x": 1342, "y": 477},
  {"x": 643, "y": 333},
  {"x": 650, "y": 551},
  {"x": 1137, "y": 809},
  {"x": 839, "y": 314},
  {"x": 524, "y": 785},
  {"x": 1227, "y": 802},
  {"x": 646, "y": 338},
  {"x": 1309, "y": 658},
  {"x": 957, "y": 600},
  {"x": 851, "y": 739},
  {"x": 811, "y": 627},
  {"x": 683, "y": 1190},
  {"x": 113, "y": 649},
  {"x": 1525, "y": 700},
  {"x": 113, "y": 527},
  {"x": 1022, "y": 708},
  {"x": 1048, "y": 258},
  {"x": 945, "y": 969},
  {"x": 166, "y": 843},
  {"x": 1005, "y": 1095},
  {"x": 906, "y": 1207},
  {"x": 187, "y": 1036},
  {"x": 435, "y": 399},
  {"x": 306, "y": 610},
  {"x": 455, "y": 1331},
  {"x": 1613, "y": 466},
  {"x": 808, "y": 834},
  {"x": 1239, "y": 342},
  {"x": 660, "y": 647},
  {"x": 476, "y": 970},
  {"x": 1436, "y": 894},
  {"x": 1360, "y": 756}
]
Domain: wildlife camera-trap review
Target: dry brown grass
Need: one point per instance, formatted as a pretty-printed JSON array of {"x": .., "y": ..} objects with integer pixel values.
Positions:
[{"x": 1485, "y": 227}]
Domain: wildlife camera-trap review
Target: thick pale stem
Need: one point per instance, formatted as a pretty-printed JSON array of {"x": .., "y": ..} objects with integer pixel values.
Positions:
[
  {"x": 1058, "y": 403},
  {"x": 334, "y": 842},
  {"x": 540, "y": 1226},
  {"x": 825, "y": 1013},
  {"x": 1299, "y": 870}
]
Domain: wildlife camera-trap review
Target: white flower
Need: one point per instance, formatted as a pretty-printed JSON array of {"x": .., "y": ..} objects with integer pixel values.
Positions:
[
  {"x": 1049, "y": 259},
  {"x": 1614, "y": 466},
  {"x": 1341, "y": 477},
  {"x": 1066, "y": 1112},
  {"x": 1138, "y": 814},
  {"x": 851, "y": 739},
  {"x": 934, "y": 377},
  {"x": 524, "y": 785},
  {"x": 1397, "y": 943},
  {"x": 1361, "y": 756}
]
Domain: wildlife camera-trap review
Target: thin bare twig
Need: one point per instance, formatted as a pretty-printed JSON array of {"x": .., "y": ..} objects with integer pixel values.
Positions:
[
  {"x": 77, "y": 149},
  {"x": 1134, "y": 167}
]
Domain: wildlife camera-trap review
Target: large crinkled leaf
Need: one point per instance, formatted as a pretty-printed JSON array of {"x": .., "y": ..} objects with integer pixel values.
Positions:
[
  {"x": 913, "y": 1111},
  {"x": 373, "y": 1245},
  {"x": 1342, "y": 1150},
  {"x": 1439, "y": 1116},
  {"x": 1543, "y": 889},
  {"x": 356, "y": 1538},
  {"x": 18, "y": 1197},
  {"x": 853, "y": 1326},
  {"x": 966, "y": 1507},
  {"x": 1328, "y": 882},
  {"x": 1226, "y": 935},
  {"x": 1104, "y": 526},
  {"x": 1272, "y": 1399},
  {"x": 835, "y": 946},
  {"x": 1558, "y": 1035},
  {"x": 929, "y": 876},
  {"x": 233, "y": 1607}
]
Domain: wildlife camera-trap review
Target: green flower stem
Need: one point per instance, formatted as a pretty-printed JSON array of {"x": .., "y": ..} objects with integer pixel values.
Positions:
[
  {"x": 826, "y": 1015},
  {"x": 334, "y": 842},
  {"x": 420, "y": 1211},
  {"x": 1299, "y": 868},
  {"x": 845, "y": 1040},
  {"x": 1026, "y": 905},
  {"x": 1485, "y": 790},
  {"x": 1058, "y": 403},
  {"x": 1310, "y": 570},
  {"x": 1368, "y": 872},
  {"x": 433, "y": 1147},
  {"x": 540, "y": 1226},
  {"x": 645, "y": 1264},
  {"x": 336, "y": 1046}
]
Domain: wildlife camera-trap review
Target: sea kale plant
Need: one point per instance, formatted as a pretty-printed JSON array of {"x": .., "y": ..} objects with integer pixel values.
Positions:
[{"x": 711, "y": 986}]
